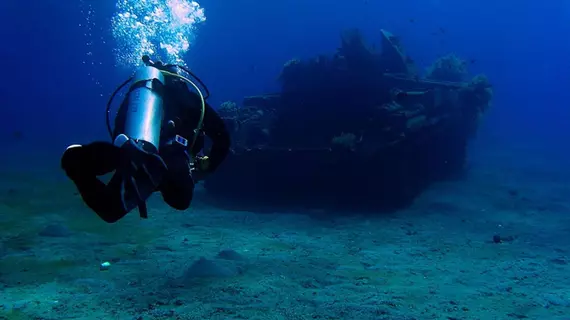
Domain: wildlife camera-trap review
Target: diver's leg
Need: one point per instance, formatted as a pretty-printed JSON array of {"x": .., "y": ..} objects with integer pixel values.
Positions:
[
  {"x": 105, "y": 200},
  {"x": 94, "y": 159},
  {"x": 82, "y": 165},
  {"x": 177, "y": 188}
]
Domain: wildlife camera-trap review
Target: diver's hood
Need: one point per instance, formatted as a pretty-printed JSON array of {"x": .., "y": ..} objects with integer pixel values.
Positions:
[
  {"x": 167, "y": 67},
  {"x": 160, "y": 65}
]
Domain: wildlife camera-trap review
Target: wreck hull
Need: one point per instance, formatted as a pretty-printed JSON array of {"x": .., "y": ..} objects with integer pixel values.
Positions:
[{"x": 345, "y": 180}]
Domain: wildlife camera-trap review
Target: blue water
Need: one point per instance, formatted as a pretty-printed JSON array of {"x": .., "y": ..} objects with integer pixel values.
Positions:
[{"x": 435, "y": 260}]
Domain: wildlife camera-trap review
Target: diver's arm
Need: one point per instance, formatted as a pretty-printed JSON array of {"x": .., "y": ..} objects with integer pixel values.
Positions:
[
  {"x": 213, "y": 125},
  {"x": 215, "y": 128}
]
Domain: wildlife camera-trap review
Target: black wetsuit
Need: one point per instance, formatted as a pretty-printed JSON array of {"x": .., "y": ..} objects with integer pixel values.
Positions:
[{"x": 183, "y": 107}]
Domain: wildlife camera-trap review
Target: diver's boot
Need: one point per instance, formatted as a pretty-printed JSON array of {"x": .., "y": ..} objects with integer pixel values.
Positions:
[{"x": 94, "y": 159}]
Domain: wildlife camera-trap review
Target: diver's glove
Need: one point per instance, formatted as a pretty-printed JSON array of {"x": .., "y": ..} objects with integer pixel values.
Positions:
[{"x": 140, "y": 171}]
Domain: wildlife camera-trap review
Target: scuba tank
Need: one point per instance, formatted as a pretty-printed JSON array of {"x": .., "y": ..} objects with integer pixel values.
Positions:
[{"x": 145, "y": 108}]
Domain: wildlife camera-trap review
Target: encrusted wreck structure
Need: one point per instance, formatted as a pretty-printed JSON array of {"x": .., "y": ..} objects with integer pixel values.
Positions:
[{"x": 359, "y": 130}]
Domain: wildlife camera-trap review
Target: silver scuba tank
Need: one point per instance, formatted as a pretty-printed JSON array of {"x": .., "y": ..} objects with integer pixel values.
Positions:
[{"x": 145, "y": 108}]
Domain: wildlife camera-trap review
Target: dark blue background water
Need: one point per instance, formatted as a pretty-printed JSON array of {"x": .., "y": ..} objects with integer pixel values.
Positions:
[
  {"x": 437, "y": 259},
  {"x": 49, "y": 95}
]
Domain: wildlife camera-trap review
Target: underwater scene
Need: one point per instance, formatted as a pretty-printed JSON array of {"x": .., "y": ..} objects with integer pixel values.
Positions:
[{"x": 285, "y": 160}]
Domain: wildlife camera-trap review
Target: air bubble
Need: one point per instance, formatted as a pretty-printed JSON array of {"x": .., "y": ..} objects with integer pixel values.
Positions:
[
  {"x": 90, "y": 43},
  {"x": 165, "y": 27}
]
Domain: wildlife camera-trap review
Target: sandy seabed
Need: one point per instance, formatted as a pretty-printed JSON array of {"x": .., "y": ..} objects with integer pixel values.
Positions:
[{"x": 436, "y": 260}]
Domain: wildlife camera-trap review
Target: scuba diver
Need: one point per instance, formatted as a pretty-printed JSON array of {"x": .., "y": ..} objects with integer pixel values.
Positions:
[{"x": 157, "y": 145}]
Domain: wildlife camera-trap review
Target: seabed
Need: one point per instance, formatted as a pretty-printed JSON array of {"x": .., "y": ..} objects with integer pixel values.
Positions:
[{"x": 493, "y": 245}]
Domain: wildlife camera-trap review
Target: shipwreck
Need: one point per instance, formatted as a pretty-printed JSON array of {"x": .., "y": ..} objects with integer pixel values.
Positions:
[{"x": 357, "y": 130}]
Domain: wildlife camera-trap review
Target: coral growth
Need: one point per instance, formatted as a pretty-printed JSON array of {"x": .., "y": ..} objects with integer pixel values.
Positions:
[
  {"x": 228, "y": 107},
  {"x": 345, "y": 140},
  {"x": 448, "y": 68},
  {"x": 482, "y": 91}
]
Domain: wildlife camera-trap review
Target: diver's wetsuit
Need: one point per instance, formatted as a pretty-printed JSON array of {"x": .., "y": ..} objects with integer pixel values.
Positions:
[{"x": 183, "y": 107}]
